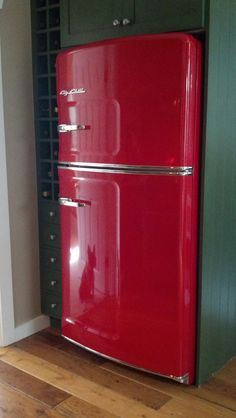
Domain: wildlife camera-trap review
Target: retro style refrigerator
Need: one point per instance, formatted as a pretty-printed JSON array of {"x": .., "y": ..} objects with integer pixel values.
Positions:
[{"x": 129, "y": 122}]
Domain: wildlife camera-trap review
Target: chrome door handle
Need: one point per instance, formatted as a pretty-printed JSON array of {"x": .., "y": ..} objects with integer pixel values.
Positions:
[
  {"x": 64, "y": 201},
  {"x": 68, "y": 128}
]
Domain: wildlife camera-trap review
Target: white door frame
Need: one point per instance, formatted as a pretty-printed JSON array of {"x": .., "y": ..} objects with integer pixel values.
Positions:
[{"x": 7, "y": 323}]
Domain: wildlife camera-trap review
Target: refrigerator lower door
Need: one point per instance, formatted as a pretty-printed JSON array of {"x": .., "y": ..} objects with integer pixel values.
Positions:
[{"x": 129, "y": 268}]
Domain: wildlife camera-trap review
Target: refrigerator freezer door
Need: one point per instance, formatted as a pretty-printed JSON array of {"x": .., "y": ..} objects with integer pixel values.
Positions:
[
  {"x": 129, "y": 267},
  {"x": 136, "y": 99}
]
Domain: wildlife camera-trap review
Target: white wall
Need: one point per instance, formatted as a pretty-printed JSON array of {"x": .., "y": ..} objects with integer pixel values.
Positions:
[
  {"x": 17, "y": 92},
  {"x": 6, "y": 292}
]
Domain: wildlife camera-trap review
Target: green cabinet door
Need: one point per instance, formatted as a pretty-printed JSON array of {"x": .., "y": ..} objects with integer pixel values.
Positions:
[
  {"x": 90, "y": 20},
  {"x": 86, "y": 21},
  {"x": 168, "y": 15}
]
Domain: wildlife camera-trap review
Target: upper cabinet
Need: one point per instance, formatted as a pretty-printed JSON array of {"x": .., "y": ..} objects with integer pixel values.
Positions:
[{"x": 86, "y": 21}]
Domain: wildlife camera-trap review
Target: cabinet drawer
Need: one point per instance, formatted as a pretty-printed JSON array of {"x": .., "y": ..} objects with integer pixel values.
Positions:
[
  {"x": 51, "y": 281},
  {"x": 50, "y": 235},
  {"x": 49, "y": 213},
  {"x": 50, "y": 259},
  {"x": 51, "y": 304},
  {"x": 86, "y": 21}
]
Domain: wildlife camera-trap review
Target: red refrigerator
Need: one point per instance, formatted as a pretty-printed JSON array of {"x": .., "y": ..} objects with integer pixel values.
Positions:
[{"x": 129, "y": 122}]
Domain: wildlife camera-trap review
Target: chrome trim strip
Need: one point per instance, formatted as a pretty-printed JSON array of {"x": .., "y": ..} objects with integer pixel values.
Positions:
[
  {"x": 181, "y": 379},
  {"x": 127, "y": 169}
]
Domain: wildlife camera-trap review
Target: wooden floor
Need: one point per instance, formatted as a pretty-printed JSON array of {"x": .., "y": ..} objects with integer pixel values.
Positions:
[{"x": 45, "y": 376}]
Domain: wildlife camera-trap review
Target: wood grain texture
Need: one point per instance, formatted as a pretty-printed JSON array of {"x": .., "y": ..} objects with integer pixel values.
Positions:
[
  {"x": 52, "y": 337},
  {"x": 77, "y": 386},
  {"x": 119, "y": 384},
  {"x": 74, "y": 408},
  {"x": 193, "y": 409},
  {"x": 220, "y": 390},
  {"x": 106, "y": 390},
  {"x": 14, "y": 404},
  {"x": 30, "y": 385}
]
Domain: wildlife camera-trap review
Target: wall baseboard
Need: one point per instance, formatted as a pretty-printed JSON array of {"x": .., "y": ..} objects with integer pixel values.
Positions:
[
  {"x": 24, "y": 330},
  {"x": 31, "y": 327}
]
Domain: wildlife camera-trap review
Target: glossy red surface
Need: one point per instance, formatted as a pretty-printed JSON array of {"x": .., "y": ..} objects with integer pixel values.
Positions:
[
  {"x": 129, "y": 256},
  {"x": 140, "y": 101},
  {"x": 129, "y": 268}
]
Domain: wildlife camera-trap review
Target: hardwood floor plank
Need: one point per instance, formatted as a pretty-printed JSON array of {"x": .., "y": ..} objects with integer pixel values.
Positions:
[
  {"x": 31, "y": 386},
  {"x": 221, "y": 388},
  {"x": 228, "y": 373},
  {"x": 55, "y": 340},
  {"x": 216, "y": 391},
  {"x": 77, "y": 386},
  {"x": 76, "y": 408},
  {"x": 14, "y": 404},
  {"x": 121, "y": 385},
  {"x": 168, "y": 387},
  {"x": 197, "y": 409},
  {"x": 41, "y": 379}
]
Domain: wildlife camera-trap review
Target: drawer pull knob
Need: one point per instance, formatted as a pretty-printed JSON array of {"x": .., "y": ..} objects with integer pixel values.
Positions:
[
  {"x": 52, "y": 237},
  {"x": 126, "y": 21},
  {"x": 116, "y": 22},
  {"x": 53, "y": 282},
  {"x": 46, "y": 193},
  {"x": 53, "y": 305},
  {"x": 53, "y": 259},
  {"x": 51, "y": 213}
]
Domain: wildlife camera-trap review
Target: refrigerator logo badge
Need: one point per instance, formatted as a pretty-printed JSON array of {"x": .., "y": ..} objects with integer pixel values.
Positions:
[{"x": 72, "y": 91}]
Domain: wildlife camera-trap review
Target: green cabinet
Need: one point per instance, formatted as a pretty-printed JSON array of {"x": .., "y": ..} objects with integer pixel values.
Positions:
[
  {"x": 87, "y": 21},
  {"x": 83, "y": 21},
  {"x": 168, "y": 15}
]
